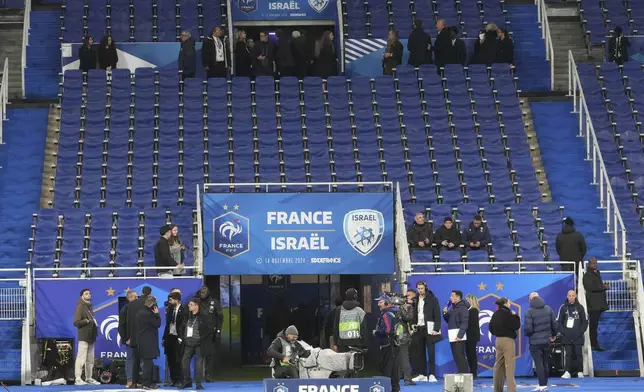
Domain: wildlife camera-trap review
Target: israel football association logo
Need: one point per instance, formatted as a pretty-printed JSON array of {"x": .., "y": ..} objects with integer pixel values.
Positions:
[
  {"x": 231, "y": 235},
  {"x": 364, "y": 229},
  {"x": 248, "y": 6},
  {"x": 318, "y": 5}
]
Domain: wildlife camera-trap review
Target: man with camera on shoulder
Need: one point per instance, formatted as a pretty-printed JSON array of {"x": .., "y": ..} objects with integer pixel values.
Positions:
[{"x": 282, "y": 351}]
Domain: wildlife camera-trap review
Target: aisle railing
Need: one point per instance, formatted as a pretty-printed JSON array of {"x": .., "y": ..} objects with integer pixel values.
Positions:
[
  {"x": 614, "y": 222},
  {"x": 4, "y": 94},
  {"x": 542, "y": 14},
  {"x": 25, "y": 42}
]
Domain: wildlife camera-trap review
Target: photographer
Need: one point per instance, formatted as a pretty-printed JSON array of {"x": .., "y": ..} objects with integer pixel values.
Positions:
[
  {"x": 282, "y": 351},
  {"x": 350, "y": 326},
  {"x": 406, "y": 306}
]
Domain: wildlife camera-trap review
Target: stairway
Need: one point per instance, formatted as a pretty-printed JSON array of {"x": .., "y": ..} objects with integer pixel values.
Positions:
[
  {"x": 49, "y": 165},
  {"x": 532, "y": 68},
  {"x": 616, "y": 334},
  {"x": 11, "y": 48},
  {"x": 43, "y": 55},
  {"x": 535, "y": 152}
]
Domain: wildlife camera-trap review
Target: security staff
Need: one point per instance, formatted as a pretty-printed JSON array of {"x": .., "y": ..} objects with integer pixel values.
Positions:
[
  {"x": 350, "y": 327},
  {"x": 385, "y": 331},
  {"x": 211, "y": 309}
]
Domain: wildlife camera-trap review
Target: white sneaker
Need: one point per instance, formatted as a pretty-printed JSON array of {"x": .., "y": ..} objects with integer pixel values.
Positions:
[
  {"x": 91, "y": 381},
  {"x": 580, "y": 375},
  {"x": 540, "y": 389},
  {"x": 79, "y": 381},
  {"x": 419, "y": 378},
  {"x": 566, "y": 375},
  {"x": 432, "y": 378}
]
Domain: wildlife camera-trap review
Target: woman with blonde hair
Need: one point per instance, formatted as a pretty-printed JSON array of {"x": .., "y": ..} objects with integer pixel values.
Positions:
[{"x": 473, "y": 334}]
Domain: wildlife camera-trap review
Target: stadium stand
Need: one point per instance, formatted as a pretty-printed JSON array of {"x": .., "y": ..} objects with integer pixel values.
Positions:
[{"x": 599, "y": 18}]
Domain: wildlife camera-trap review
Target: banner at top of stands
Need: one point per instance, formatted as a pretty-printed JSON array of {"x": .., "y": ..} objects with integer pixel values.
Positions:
[
  {"x": 298, "y": 233},
  {"x": 290, "y": 11}
]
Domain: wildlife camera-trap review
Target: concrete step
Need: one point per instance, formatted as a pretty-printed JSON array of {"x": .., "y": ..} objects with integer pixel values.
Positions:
[
  {"x": 535, "y": 153},
  {"x": 49, "y": 164}
]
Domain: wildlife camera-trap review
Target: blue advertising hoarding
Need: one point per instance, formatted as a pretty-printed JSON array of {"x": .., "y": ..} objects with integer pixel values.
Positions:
[
  {"x": 276, "y": 10},
  {"x": 298, "y": 233},
  {"x": 553, "y": 288},
  {"x": 372, "y": 384}
]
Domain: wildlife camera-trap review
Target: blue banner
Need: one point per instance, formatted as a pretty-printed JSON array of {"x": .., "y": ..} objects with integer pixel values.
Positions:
[
  {"x": 298, "y": 233},
  {"x": 373, "y": 384},
  {"x": 553, "y": 288},
  {"x": 56, "y": 302},
  {"x": 283, "y": 10},
  {"x": 635, "y": 50}
]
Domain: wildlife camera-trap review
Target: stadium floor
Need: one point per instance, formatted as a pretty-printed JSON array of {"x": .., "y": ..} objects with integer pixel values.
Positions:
[{"x": 625, "y": 384}]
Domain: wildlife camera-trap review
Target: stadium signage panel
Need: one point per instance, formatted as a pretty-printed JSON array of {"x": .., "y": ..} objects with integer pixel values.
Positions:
[
  {"x": 373, "y": 384},
  {"x": 298, "y": 233},
  {"x": 275, "y": 10}
]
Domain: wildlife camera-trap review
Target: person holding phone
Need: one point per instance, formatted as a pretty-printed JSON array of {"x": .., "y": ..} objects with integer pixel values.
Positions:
[{"x": 148, "y": 322}]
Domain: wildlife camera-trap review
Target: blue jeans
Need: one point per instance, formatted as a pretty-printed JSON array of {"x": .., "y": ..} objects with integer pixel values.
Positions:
[{"x": 128, "y": 363}]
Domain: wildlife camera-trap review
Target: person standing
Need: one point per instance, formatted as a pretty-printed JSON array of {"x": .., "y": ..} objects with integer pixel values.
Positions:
[
  {"x": 107, "y": 56},
  {"x": 243, "y": 64},
  {"x": 281, "y": 351},
  {"x": 214, "y": 55},
  {"x": 326, "y": 58},
  {"x": 456, "y": 52},
  {"x": 196, "y": 331},
  {"x": 210, "y": 310},
  {"x": 428, "y": 333},
  {"x": 174, "y": 317},
  {"x": 177, "y": 250},
  {"x": 262, "y": 55},
  {"x": 457, "y": 318},
  {"x": 618, "y": 47},
  {"x": 133, "y": 309},
  {"x": 187, "y": 61},
  {"x": 329, "y": 324},
  {"x": 506, "y": 47},
  {"x": 442, "y": 44},
  {"x": 283, "y": 55},
  {"x": 406, "y": 314},
  {"x": 419, "y": 45},
  {"x": 595, "y": 300},
  {"x": 571, "y": 245},
  {"x": 86, "y": 324},
  {"x": 350, "y": 327},
  {"x": 148, "y": 323},
  {"x": 541, "y": 327},
  {"x": 504, "y": 326},
  {"x": 473, "y": 334},
  {"x": 125, "y": 336},
  {"x": 487, "y": 46},
  {"x": 393, "y": 53},
  {"x": 300, "y": 54},
  {"x": 572, "y": 325},
  {"x": 87, "y": 55},
  {"x": 384, "y": 332},
  {"x": 162, "y": 255}
]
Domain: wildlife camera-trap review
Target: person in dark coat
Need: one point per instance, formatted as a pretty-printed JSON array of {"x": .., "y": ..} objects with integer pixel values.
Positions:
[
  {"x": 408, "y": 313},
  {"x": 571, "y": 245},
  {"x": 284, "y": 56},
  {"x": 329, "y": 323},
  {"x": 87, "y": 326},
  {"x": 457, "y": 318},
  {"x": 263, "y": 56},
  {"x": 595, "y": 300},
  {"x": 133, "y": 309},
  {"x": 125, "y": 336},
  {"x": 282, "y": 349},
  {"x": 175, "y": 315},
  {"x": 87, "y": 55},
  {"x": 148, "y": 322},
  {"x": 393, "y": 53},
  {"x": 197, "y": 333},
  {"x": 214, "y": 54},
  {"x": 541, "y": 327},
  {"x": 473, "y": 334},
  {"x": 187, "y": 61},
  {"x": 419, "y": 45},
  {"x": 447, "y": 237},
  {"x": 419, "y": 235},
  {"x": 300, "y": 54},
  {"x": 326, "y": 58},
  {"x": 107, "y": 56},
  {"x": 384, "y": 333},
  {"x": 618, "y": 47},
  {"x": 442, "y": 43},
  {"x": 210, "y": 309},
  {"x": 162, "y": 255},
  {"x": 505, "y": 47},
  {"x": 572, "y": 325},
  {"x": 456, "y": 52},
  {"x": 477, "y": 236},
  {"x": 351, "y": 313},
  {"x": 428, "y": 325},
  {"x": 487, "y": 46},
  {"x": 243, "y": 63},
  {"x": 504, "y": 325}
]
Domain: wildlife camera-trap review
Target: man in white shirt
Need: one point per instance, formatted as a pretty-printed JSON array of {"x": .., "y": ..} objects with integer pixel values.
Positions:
[
  {"x": 215, "y": 55},
  {"x": 175, "y": 314},
  {"x": 428, "y": 325}
]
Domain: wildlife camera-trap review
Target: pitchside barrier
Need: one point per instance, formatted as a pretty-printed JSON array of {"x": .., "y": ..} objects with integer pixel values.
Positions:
[{"x": 373, "y": 384}]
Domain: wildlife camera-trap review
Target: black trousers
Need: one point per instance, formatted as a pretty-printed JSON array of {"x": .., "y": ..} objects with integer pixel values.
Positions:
[
  {"x": 541, "y": 357},
  {"x": 136, "y": 365},
  {"x": 219, "y": 70},
  {"x": 389, "y": 365},
  {"x": 285, "y": 372},
  {"x": 573, "y": 358},
  {"x": 188, "y": 74},
  {"x": 173, "y": 355},
  {"x": 190, "y": 351},
  {"x": 423, "y": 353},
  {"x": 148, "y": 379},
  {"x": 472, "y": 358},
  {"x": 593, "y": 324},
  {"x": 458, "y": 352},
  {"x": 403, "y": 360}
]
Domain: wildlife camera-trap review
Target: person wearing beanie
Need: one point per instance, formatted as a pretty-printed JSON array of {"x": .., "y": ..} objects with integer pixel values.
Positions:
[
  {"x": 350, "y": 326},
  {"x": 504, "y": 325},
  {"x": 162, "y": 255},
  {"x": 571, "y": 245},
  {"x": 447, "y": 237},
  {"x": 281, "y": 351}
]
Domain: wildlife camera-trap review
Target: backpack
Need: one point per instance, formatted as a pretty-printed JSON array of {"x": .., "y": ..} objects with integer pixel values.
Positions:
[{"x": 400, "y": 331}]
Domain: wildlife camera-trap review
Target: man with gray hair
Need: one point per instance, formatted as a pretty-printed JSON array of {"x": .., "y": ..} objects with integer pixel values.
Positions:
[
  {"x": 541, "y": 327},
  {"x": 187, "y": 61},
  {"x": 300, "y": 58},
  {"x": 125, "y": 336}
]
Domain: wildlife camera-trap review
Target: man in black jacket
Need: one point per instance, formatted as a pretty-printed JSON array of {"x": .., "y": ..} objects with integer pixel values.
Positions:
[
  {"x": 428, "y": 326},
  {"x": 457, "y": 319},
  {"x": 419, "y": 45},
  {"x": 125, "y": 336},
  {"x": 162, "y": 255},
  {"x": 419, "y": 235},
  {"x": 505, "y": 47},
  {"x": 210, "y": 309},
  {"x": 350, "y": 326},
  {"x": 148, "y": 323},
  {"x": 175, "y": 313},
  {"x": 572, "y": 325},
  {"x": 263, "y": 56},
  {"x": 214, "y": 54},
  {"x": 447, "y": 237},
  {"x": 442, "y": 43},
  {"x": 504, "y": 325},
  {"x": 187, "y": 61},
  {"x": 571, "y": 245},
  {"x": 281, "y": 351},
  {"x": 133, "y": 309},
  {"x": 477, "y": 236},
  {"x": 456, "y": 52},
  {"x": 595, "y": 300},
  {"x": 197, "y": 333},
  {"x": 329, "y": 324}
]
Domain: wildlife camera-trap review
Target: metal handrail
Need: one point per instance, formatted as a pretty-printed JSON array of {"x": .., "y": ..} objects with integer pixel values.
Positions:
[
  {"x": 266, "y": 185},
  {"x": 542, "y": 15},
  {"x": 116, "y": 269},
  {"x": 199, "y": 259},
  {"x": 25, "y": 42},
  {"x": 614, "y": 221},
  {"x": 4, "y": 94},
  {"x": 639, "y": 318}
]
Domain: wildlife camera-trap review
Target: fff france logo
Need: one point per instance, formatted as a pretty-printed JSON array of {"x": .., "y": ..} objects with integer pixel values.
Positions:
[
  {"x": 231, "y": 234},
  {"x": 486, "y": 347},
  {"x": 247, "y": 6}
]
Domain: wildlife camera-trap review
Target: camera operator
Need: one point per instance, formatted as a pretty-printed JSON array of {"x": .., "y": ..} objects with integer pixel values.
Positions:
[
  {"x": 282, "y": 351},
  {"x": 406, "y": 306},
  {"x": 350, "y": 326},
  {"x": 427, "y": 317}
]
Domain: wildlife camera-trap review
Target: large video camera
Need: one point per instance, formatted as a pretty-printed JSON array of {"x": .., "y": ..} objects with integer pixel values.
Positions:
[{"x": 397, "y": 299}]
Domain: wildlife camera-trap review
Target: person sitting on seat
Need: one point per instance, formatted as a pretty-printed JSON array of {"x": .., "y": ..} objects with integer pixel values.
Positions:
[{"x": 282, "y": 350}]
